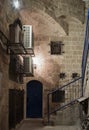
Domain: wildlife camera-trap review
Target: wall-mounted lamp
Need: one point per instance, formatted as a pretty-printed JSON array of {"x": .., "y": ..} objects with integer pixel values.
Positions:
[
  {"x": 34, "y": 66},
  {"x": 16, "y": 4},
  {"x": 38, "y": 61}
]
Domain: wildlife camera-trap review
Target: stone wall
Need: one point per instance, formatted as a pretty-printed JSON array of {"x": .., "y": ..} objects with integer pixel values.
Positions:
[
  {"x": 47, "y": 71},
  {"x": 5, "y": 85},
  {"x": 7, "y": 16},
  {"x": 48, "y": 67},
  {"x": 59, "y": 8},
  {"x": 64, "y": 117},
  {"x": 73, "y": 48}
]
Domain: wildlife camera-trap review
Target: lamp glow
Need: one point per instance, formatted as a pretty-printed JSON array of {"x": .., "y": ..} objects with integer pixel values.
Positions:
[
  {"x": 16, "y": 4},
  {"x": 38, "y": 61}
]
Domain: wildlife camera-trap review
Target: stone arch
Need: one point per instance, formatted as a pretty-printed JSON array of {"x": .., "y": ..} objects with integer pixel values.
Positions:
[
  {"x": 55, "y": 9},
  {"x": 38, "y": 18}
]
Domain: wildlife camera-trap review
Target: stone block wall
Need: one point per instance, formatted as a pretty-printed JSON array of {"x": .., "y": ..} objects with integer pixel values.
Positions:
[
  {"x": 69, "y": 115},
  {"x": 50, "y": 67},
  {"x": 7, "y": 16},
  {"x": 73, "y": 49}
]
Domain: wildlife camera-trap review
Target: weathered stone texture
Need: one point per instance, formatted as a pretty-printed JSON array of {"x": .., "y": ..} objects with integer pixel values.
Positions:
[
  {"x": 59, "y": 8},
  {"x": 7, "y": 16},
  {"x": 48, "y": 67},
  {"x": 73, "y": 50},
  {"x": 68, "y": 116}
]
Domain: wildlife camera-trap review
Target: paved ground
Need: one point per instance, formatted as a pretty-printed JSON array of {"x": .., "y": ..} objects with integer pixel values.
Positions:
[{"x": 38, "y": 125}]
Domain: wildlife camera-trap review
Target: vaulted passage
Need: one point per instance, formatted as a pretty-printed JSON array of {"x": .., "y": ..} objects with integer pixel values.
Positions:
[{"x": 44, "y": 64}]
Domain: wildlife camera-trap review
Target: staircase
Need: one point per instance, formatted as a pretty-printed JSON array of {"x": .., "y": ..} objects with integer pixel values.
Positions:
[{"x": 67, "y": 111}]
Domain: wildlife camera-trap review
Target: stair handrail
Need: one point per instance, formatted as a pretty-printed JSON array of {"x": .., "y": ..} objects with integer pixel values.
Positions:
[{"x": 52, "y": 91}]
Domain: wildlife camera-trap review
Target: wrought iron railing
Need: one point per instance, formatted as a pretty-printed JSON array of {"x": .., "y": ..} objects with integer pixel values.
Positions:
[
  {"x": 72, "y": 92},
  {"x": 13, "y": 48}
]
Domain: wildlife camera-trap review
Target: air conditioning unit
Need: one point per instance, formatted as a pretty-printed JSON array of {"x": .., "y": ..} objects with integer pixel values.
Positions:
[
  {"x": 28, "y": 66},
  {"x": 28, "y": 38},
  {"x": 15, "y": 33}
]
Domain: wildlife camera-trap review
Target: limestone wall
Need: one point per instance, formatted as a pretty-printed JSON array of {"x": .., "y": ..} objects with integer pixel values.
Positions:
[
  {"x": 68, "y": 116},
  {"x": 48, "y": 67},
  {"x": 7, "y": 16},
  {"x": 73, "y": 48}
]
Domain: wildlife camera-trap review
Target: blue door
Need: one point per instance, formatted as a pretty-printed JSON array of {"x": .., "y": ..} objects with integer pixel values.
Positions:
[{"x": 34, "y": 99}]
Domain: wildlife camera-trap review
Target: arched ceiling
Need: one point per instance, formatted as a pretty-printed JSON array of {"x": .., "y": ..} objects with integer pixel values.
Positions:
[
  {"x": 56, "y": 8},
  {"x": 51, "y": 17},
  {"x": 42, "y": 23}
]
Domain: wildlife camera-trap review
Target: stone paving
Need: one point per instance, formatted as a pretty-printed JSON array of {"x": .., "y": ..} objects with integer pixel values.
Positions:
[{"x": 33, "y": 125}]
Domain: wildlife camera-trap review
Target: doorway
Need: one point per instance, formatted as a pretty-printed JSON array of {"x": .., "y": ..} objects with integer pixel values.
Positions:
[{"x": 34, "y": 99}]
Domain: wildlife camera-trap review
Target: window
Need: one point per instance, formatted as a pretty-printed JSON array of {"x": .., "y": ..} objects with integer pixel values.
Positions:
[{"x": 56, "y": 48}]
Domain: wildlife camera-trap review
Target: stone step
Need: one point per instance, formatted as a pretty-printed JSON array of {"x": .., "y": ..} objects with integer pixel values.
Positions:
[
  {"x": 32, "y": 121},
  {"x": 62, "y": 128},
  {"x": 68, "y": 116}
]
